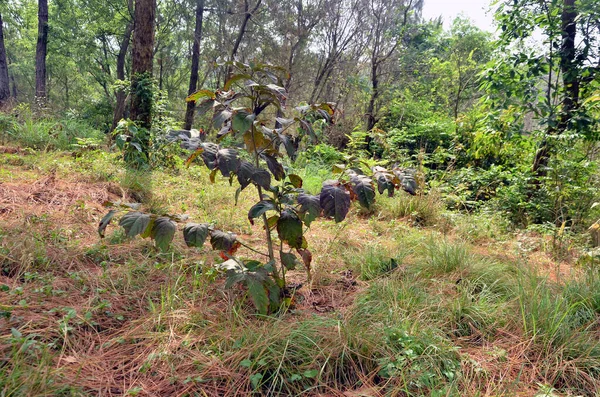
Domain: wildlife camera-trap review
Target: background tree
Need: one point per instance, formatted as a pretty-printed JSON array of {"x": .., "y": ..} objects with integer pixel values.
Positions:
[
  {"x": 143, "y": 51},
  {"x": 389, "y": 21},
  {"x": 189, "y": 112},
  {"x": 4, "y": 80},
  {"x": 41, "y": 50}
]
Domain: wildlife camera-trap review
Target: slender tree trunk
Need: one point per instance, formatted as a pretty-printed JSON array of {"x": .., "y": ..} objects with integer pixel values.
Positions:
[
  {"x": 189, "y": 111},
  {"x": 247, "y": 15},
  {"x": 40, "y": 52},
  {"x": 120, "y": 94},
  {"x": 143, "y": 47},
  {"x": 4, "y": 81},
  {"x": 371, "y": 118}
]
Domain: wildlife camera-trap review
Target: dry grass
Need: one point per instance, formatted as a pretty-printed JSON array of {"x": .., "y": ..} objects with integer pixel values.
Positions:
[{"x": 114, "y": 317}]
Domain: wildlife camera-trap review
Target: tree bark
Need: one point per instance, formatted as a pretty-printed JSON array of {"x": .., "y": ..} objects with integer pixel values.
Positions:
[
  {"x": 4, "y": 81},
  {"x": 189, "y": 112},
  {"x": 141, "y": 70},
  {"x": 41, "y": 51}
]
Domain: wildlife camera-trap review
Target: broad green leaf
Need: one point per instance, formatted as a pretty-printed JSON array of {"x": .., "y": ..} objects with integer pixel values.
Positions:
[
  {"x": 134, "y": 223},
  {"x": 228, "y": 161},
  {"x": 235, "y": 78},
  {"x": 272, "y": 221},
  {"x": 310, "y": 207},
  {"x": 259, "y": 296},
  {"x": 295, "y": 180},
  {"x": 335, "y": 201},
  {"x": 244, "y": 174},
  {"x": 289, "y": 260},
  {"x": 289, "y": 228},
  {"x": 260, "y": 208},
  {"x": 242, "y": 120},
  {"x": 200, "y": 94},
  {"x": 256, "y": 141},
  {"x": 105, "y": 221},
  {"x": 163, "y": 232},
  {"x": 262, "y": 178},
  {"x": 363, "y": 188},
  {"x": 195, "y": 234}
]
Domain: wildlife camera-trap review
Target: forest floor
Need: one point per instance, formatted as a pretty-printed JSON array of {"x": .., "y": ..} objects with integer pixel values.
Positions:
[{"x": 408, "y": 300}]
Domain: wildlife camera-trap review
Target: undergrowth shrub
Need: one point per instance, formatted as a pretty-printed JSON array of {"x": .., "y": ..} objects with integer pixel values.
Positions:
[{"x": 48, "y": 133}]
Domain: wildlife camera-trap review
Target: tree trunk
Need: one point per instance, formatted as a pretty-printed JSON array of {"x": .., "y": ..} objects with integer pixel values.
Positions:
[
  {"x": 189, "y": 111},
  {"x": 40, "y": 52},
  {"x": 4, "y": 81},
  {"x": 570, "y": 76},
  {"x": 141, "y": 70},
  {"x": 120, "y": 94}
]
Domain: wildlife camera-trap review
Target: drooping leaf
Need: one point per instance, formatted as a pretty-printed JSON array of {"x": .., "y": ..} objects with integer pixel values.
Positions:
[
  {"x": 310, "y": 207},
  {"x": 274, "y": 166},
  {"x": 262, "y": 178},
  {"x": 363, "y": 188},
  {"x": 195, "y": 234},
  {"x": 409, "y": 184},
  {"x": 148, "y": 232},
  {"x": 204, "y": 107},
  {"x": 272, "y": 221},
  {"x": 385, "y": 181},
  {"x": 193, "y": 156},
  {"x": 289, "y": 260},
  {"x": 287, "y": 143},
  {"x": 284, "y": 122},
  {"x": 163, "y": 232},
  {"x": 335, "y": 201},
  {"x": 225, "y": 129},
  {"x": 259, "y": 296},
  {"x": 289, "y": 228},
  {"x": 199, "y": 95},
  {"x": 295, "y": 180},
  {"x": 209, "y": 155},
  {"x": 105, "y": 221},
  {"x": 306, "y": 256},
  {"x": 256, "y": 140},
  {"x": 307, "y": 127},
  {"x": 222, "y": 241},
  {"x": 260, "y": 208},
  {"x": 220, "y": 117},
  {"x": 228, "y": 161},
  {"x": 244, "y": 173},
  {"x": 242, "y": 120},
  {"x": 134, "y": 223}
]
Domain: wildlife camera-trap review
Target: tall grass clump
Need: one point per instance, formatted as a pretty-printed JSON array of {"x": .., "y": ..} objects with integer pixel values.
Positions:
[
  {"x": 561, "y": 322},
  {"x": 424, "y": 210},
  {"x": 439, "y": 257}
]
